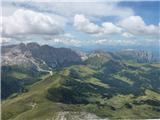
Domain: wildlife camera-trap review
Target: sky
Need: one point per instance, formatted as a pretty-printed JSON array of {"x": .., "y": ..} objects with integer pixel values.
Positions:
[{"x": 85, "y": 23}]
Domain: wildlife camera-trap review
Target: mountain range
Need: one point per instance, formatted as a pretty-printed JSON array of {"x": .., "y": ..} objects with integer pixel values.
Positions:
[
  {"x": 36, "y": 55},
  {"x": 42, "y": 82}
]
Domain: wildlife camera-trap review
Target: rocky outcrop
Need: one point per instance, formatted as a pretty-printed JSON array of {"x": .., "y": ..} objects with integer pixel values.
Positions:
[
  {"x": 32, "y": 54},
  {"x": 127, "y": 54},
  {"x": 136, "y": 56},
  {"x": 77, "y": 116}
]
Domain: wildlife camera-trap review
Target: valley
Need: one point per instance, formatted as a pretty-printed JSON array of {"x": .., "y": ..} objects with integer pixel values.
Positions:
[{"x": 101, "y": 86}]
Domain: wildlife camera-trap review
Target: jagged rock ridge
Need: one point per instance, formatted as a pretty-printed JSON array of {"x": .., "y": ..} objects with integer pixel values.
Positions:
[{"x": 34, "y": 55}]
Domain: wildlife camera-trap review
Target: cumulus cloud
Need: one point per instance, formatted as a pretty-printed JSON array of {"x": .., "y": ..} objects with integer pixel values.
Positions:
[
  {"x": 136, "y": 26},
  {"x": 29, "y": 22},
  {"x": 47, "y": 19},
  {"x": 85, "y": 25},
  {"x": 110, "y": 28}
]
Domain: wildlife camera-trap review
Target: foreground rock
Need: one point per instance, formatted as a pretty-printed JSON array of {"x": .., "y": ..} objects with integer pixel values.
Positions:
[{"x": 76, "y": 116}]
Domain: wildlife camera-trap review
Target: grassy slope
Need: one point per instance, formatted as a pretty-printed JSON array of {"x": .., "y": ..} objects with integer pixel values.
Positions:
[
  {"x": 118, "y": 106},
  {"x": 15, "y": 79},
  {"x": 23, "y": 103}
]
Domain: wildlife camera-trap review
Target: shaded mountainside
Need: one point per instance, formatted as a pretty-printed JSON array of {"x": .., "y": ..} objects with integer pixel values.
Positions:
[
  {"x": 33, "y": 54},
  {"x": 14, "y": 79}
]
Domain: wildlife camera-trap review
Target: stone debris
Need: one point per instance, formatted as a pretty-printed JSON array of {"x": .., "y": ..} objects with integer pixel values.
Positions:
[{"x": 66, "y": 115}]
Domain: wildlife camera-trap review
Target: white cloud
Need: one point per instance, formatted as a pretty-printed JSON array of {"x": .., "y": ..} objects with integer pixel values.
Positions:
[
  {"x": 66, "y": 41},
  {"x": 7, "y": 9},
  {"x": 39, "y": 19},
  {"x": 85, "y": 25},
  {"x": 101, "y": 41},
  {"x": 69, "y": 9},
  {"x": 60, "y": 1},
  {"x": 128, "y": 27},
  {"x": 29, "y": 22},
  {"x": 125, "y": 42},
  {"x": 103, "y": 9},
  {"x": 136, "y": 26},
  {"x": 127, "y": 35},
  {"x": 55, "y": 0},
  {"x": 114, "y": 42},
  {"x": 0, "y": 26},
  {"x": 82, "y": 0},
  {"x": 110, "y": 28},
  {"x": 69, "y": 35},
  {"x": 4, "y": 40}
]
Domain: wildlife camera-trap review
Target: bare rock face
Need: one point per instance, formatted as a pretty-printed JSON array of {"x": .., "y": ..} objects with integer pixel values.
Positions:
[
  {"x": 76, "y": 116},
  {"x": 34, "y": 55},
  {"x": 137, "y": 56},
  {"x": 16, "y": 55}
]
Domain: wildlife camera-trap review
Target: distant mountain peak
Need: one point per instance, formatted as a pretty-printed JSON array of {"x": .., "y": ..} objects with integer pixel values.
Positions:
[
  {"x": 33, "y": 45},
  {"x": 34, "y": 54}
]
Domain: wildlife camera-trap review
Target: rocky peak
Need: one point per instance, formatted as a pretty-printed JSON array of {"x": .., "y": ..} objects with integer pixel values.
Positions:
[
  {"x": 34, "y": 53},
  {"x": 135, "y": 55},
  {"x": 33, "y": 45}
]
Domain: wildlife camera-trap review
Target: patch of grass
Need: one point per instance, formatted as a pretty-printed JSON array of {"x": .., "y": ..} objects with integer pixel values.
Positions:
[
  {"x": 123, "y": 78},
  {"x": 19, "y": 75},
  {"x": 96, "y": 81}
]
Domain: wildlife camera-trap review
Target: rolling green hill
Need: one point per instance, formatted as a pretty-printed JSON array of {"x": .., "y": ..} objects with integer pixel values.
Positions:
[{"x": 113, "y": 89}]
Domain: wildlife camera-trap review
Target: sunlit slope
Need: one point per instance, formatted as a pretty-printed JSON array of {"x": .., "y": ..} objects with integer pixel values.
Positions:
[{"x": 116, "y": 90}]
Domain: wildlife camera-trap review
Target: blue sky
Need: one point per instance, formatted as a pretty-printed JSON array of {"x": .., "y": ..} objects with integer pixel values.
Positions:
[
  {"x": 81, "y": 24},
  {"x": 148, "y": 10}
]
